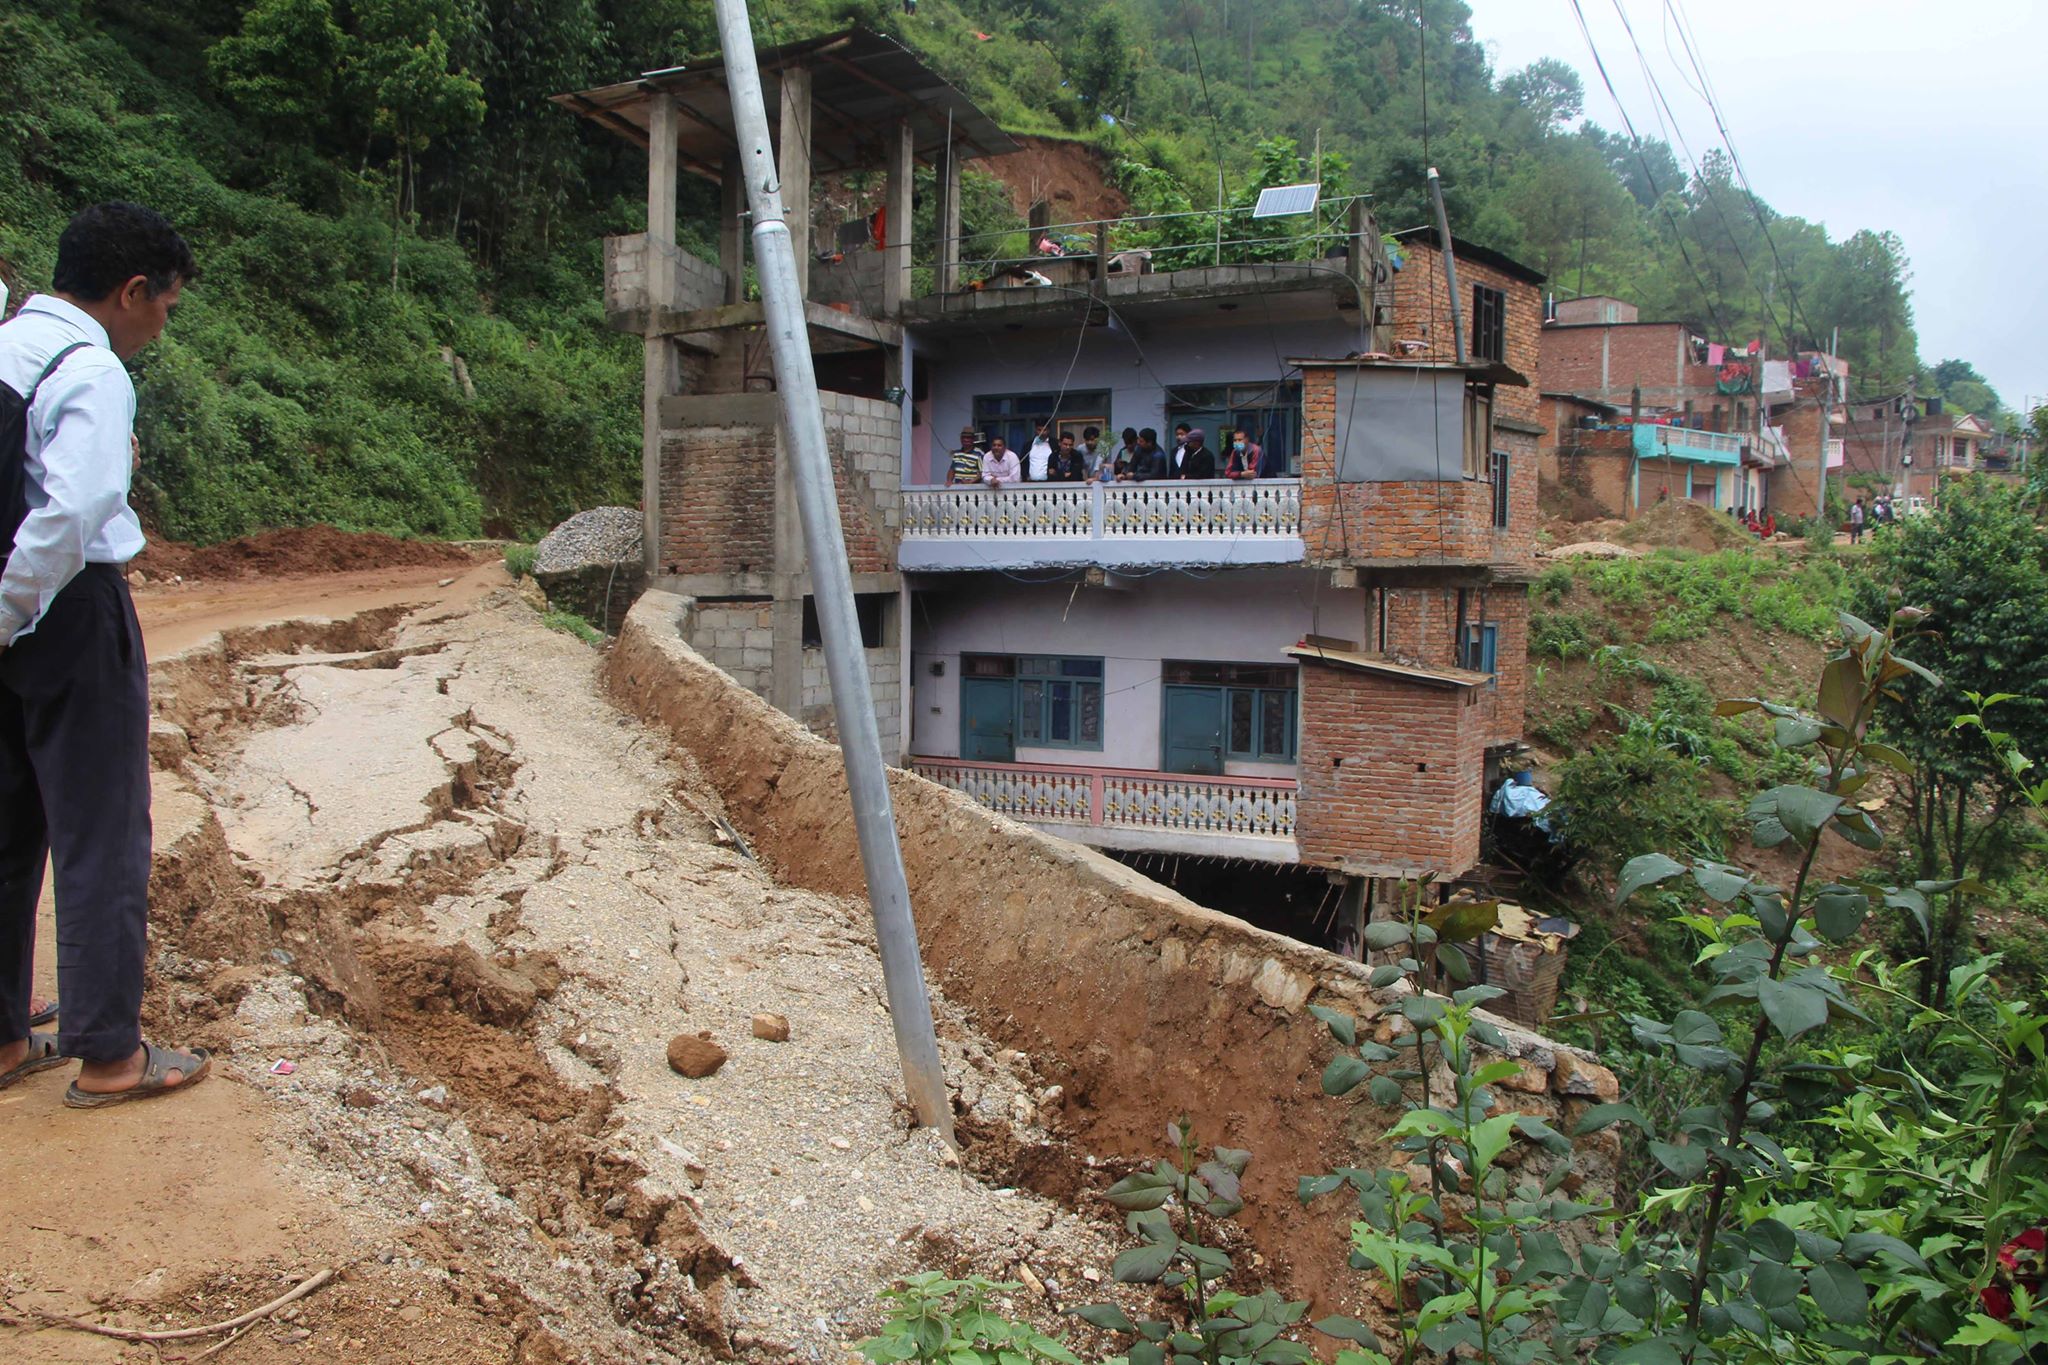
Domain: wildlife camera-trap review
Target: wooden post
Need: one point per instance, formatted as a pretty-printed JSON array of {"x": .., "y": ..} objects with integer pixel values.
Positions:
[
  {"x": 1102, "y": 255},
  {"x": 949, "y": 220},
  {"x": 900, "y": 167},
  {"x": 794, "y": 166},
  {"x": 659, "y": 376},
  {"x": 732, "y": 234}
]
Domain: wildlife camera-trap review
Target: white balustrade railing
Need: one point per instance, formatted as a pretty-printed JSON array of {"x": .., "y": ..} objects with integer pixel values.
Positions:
[
  {"x": 1108, "y": 797},
  {"x": 1225, "y": 509}
]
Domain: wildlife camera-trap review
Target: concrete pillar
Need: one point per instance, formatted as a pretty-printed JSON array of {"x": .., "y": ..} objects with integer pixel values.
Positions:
[
  {"x": 949, "y": 220},
  {"x": 660, "y": 374},
  {"x": 732, "y": 230},
  {"x": 900, "y": 166},
  {"x": 793, "y": 163}
]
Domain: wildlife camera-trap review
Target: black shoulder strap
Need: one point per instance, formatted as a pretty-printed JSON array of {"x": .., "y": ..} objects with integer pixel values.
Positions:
[{"x": 29, "y": 398}]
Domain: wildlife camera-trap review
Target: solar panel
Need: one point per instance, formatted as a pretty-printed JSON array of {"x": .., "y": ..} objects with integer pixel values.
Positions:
[{"x": 1285, "y": 201}]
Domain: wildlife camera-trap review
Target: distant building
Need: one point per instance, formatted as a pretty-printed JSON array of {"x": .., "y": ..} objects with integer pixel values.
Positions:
[
  {"x": 1319, "y": 670},
  {"x": 1909, "y": 448},
  {"x": 1642, "y": 411}
]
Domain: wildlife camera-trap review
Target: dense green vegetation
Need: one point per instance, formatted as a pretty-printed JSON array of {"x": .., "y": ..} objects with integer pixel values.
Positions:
[{"x": 378, "y": 188}]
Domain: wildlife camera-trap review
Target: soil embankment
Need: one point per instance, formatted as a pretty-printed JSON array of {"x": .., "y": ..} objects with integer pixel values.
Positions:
[{"x": 1140, "y": 1004}]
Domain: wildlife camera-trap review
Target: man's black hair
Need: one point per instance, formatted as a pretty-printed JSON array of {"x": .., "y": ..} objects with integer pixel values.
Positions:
[
  {"x": 107, "y": 245},
  {"x": 1090, "y": 433},
  {"x": 1149, "y": 435},
  {"x": 1066, "y": 436},
  {"x": 1182, "y": 426},
  {"x": 1130, "y": 436}
]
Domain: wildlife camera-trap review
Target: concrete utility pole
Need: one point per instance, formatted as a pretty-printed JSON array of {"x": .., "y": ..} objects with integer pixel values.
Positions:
[{"x": 910, "y": 1006}]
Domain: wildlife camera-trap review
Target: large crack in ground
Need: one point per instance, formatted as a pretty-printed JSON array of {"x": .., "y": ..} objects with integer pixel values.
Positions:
[{"x": 472, "y": 902}]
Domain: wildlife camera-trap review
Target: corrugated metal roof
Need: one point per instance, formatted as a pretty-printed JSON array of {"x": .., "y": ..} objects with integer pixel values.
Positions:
[{"x": 862, "y": 83}]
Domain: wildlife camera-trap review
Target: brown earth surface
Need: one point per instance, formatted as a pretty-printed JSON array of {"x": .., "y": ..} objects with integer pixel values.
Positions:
[
  {"x": 1680, "y": 523},
  {"x": 1070, "y": 176},
  {"x": 296, "y": 552}
]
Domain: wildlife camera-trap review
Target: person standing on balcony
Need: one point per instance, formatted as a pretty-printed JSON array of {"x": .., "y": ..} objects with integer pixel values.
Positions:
[
  {"x": 1180, "y": 447},
  {"x": 1038, "y": 461},
  {"x": 1197, "y": 461},
  {"x": 1244, "y": 457},
  {"x": 965, "y": 466},
  {"x": 999, "y": 466},
  {"x": 1149, "y": 463},
  {"x": 1067, "y": 466},
  {"x": 1116, "y": 468},
  {"x": 1091, "y": 449}
]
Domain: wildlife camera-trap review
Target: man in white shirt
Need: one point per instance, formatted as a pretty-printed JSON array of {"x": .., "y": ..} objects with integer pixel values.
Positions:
[
  {"x": 74, "y": 685},
  {"x": 1038, "y": 460}
]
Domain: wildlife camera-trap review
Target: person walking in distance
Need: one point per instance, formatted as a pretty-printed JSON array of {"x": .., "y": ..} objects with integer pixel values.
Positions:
[{"x": 74, "y": 685}]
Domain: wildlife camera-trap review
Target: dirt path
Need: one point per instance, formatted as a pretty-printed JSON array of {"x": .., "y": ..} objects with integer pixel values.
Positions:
[
  {"x": 177, "y": 616},
  {"x": 470, "y": 903}
]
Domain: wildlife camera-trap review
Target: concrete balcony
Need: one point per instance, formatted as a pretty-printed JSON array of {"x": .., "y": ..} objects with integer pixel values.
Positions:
[
  {"x": 1684, "y": 443},
  {"x": 1127, "y": 525},
  {"x": 1121, "y": 808}
]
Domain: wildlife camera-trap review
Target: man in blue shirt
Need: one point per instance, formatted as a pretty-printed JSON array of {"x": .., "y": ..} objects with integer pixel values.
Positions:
[{"x": 74, "y": 684}]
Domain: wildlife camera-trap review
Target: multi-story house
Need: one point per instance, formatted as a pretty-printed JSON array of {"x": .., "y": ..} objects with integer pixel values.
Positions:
[
  {"x": 1637, "y": 411},
  {"x": 1910, "y": 447},
  {"x": 1319, "y": 669}
]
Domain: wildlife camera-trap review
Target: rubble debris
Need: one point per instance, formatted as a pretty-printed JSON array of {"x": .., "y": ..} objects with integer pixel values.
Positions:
[
  {"x": 773, "y": 1028},
  {"x": 695, "y": 1055},
  {"x": 602, "y": 536}
]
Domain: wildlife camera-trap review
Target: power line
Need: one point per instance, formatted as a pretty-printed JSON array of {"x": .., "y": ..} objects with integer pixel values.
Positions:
[
  {"x": 1756, "y": 205},
  {"x": 1649, "y": 176},
  {"x": 1672, "y": 127}
]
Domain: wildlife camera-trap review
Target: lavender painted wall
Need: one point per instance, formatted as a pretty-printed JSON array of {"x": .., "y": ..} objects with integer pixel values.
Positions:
[
  {"x": 1239, "y": 616},
  {"x": 1243, "y": 349}
]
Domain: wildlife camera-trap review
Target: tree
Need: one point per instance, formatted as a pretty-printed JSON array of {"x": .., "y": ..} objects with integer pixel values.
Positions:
[
  {"x": 1979, "y": 564},
  {"x": 280, "y": 66},
  {"x": 1549, "y": 90}
]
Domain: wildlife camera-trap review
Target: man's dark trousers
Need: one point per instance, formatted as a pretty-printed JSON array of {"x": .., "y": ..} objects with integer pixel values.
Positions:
[{"x": 74, "y": 783}]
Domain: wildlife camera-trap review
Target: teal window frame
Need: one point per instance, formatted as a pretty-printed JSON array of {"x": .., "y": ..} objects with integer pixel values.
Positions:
[
  {"x": 1261, "y": 699},
  {"x": 1043, "y": 683},
  {"x": 1481, "y": 649}
]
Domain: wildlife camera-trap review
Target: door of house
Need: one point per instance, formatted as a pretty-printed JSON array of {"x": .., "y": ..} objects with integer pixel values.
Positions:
[
  {"x": 1193, "y": 730},
  {"x": 988, "y": 720}
]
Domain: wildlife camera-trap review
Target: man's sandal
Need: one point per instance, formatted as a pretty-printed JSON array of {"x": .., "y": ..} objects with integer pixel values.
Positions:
[
  {"x": 46, "y": 1015},
  {"x": 42, "y": 1055},
  {"x": 158, "y": 1064}
]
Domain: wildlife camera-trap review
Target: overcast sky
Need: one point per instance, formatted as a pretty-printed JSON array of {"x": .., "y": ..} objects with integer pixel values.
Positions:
[{"x": 1928, "y": 119}]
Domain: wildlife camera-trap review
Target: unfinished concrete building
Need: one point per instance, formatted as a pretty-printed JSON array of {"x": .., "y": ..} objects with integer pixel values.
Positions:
[{"x": 1319, "y": 671}]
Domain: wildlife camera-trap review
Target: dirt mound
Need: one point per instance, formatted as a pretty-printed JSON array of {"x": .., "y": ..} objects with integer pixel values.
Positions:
[
  {"x": 1070, "y": 176},
  {"x": 295, "y": 552},
  {"x": 1679, "y": 523}
]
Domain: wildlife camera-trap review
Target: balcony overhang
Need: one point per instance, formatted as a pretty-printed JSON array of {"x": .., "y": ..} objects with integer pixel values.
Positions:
[
  {"x": 1282, "y": 291},
  {"x": 1382, "y": 666},
  {"x": 1174, "y": 523}
]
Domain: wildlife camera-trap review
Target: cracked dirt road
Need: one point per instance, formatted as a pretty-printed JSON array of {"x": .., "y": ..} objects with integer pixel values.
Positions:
[{"x": 428, "y": 864}]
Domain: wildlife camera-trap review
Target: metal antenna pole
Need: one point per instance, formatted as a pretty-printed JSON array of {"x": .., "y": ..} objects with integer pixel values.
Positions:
[{"x": 910, "y": 1006}]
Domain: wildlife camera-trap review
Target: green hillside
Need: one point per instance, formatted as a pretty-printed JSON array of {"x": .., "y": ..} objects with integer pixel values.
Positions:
[{"x": 377, "y": 187}]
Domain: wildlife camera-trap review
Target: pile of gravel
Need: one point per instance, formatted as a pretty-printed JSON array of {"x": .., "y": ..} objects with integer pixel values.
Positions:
[{"x": 599, "y": 538}]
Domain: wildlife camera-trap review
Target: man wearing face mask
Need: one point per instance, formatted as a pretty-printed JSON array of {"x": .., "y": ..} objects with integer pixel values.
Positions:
[{"x": 1243, "y": 460}]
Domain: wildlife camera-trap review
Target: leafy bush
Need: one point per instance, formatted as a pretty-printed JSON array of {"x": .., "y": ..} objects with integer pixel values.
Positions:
[
  {"x": 949, "y": 1322},
  {"x": 1562, "y": 634},
  {"x": 519, "y": 560},
  {"x": 1636, "y": 795}
]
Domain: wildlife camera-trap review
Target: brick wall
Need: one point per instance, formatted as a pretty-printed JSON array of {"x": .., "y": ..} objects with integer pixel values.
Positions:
[
  {"x": 1422, "y": 313},
  {"x": 1422, "y": 626},
  {"x": 699, "y": 284},
  {"x": 866, "y": 439},
  {"x": 718, "y": 499},
  {"x": 739, "y": 637},
  {"x": 1594, "y": 473},
  {"x": 1792, "y": 491},
  {"x": 885, "y": 682},
  {"x": 1655, "y": 356},
  {"x": 1431, "y": 522},
  {"x": 1392, "y": 775}
]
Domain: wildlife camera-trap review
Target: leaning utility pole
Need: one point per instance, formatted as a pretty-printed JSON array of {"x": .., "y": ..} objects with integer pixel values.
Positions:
[{"x": 881, "y": 856}]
